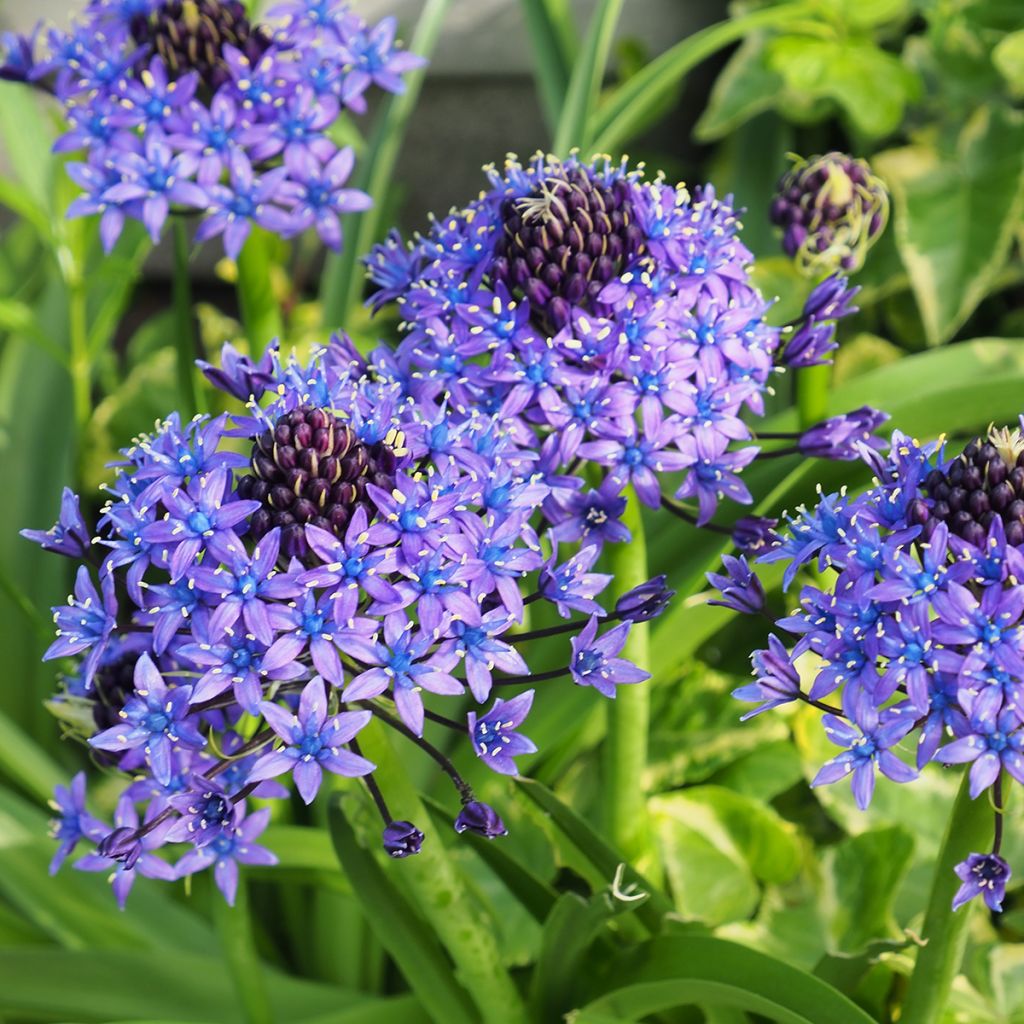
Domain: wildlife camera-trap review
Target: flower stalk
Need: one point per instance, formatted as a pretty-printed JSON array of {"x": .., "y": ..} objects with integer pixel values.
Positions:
[
  {"x": 184, "y": 323},
  {"x": 625, "y": 748},
  {"x": 945, "y": 929},
  {"x": 260, "y": 312}
]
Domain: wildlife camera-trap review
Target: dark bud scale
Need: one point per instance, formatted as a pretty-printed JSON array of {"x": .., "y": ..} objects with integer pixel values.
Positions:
[
  {"x": 311, "y": 468},
  {"x": 562, "y": 243},
  {"x": 190, "y": 35},
  {"x": 112, "y": 685},
  {"x": 985, "y": 481}
]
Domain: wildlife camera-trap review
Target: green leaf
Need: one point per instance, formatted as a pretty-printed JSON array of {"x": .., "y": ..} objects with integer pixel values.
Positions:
[
  {"x": 130, "y": 985},
  {"x": 1008, "y": 57},
  {"x": 630, "y": 103},
  {"x": 570, "y": 930},
  {"x": 865, "y": 872},
  {"x": 530, "y": 891},
  {"x": 26, "y": 764},
  {"x": 867, "y": 13},
  {"x": 399, "y": 928},
  {"x": 575, "y": 120},
  {"x": 550, "y": 27},
  {"x": 718, "y": 846},
  {"x": 605, "y": 861},
  {"x": 955, "y": 217},
  {"x": 746, "y": 86},
  {"x": 870, "y": 85},
  {"x": 669, "y": 973}
]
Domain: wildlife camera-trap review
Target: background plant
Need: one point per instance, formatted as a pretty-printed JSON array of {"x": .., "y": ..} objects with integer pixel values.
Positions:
[{"x": 747, "y": 853}]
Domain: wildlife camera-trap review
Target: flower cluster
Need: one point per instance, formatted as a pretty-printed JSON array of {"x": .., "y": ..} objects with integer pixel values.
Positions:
[
  {"x": 187, "y": 106},
  {"x": 831, "y": 209},
  {"x": 607, "y": 319},
  {"x": 916, "y": 631},
  {"x": 240, "y": 620}
]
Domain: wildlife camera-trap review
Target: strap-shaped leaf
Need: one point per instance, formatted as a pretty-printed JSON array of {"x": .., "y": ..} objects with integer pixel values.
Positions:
[
  {"x": 667, "y": 973},
  {"x": 399, "y": 927},
  {"x": 605, "y": 860}
]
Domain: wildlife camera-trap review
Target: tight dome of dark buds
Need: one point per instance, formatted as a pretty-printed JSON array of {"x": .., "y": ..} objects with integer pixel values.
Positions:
[
  {"x": 831, "y": 209},
  {"x": 190, "y": 35},
  {"x": 565, "y": 240},
  {"x": 311, "y": 468},
  {"x": 985, "y": 481}
]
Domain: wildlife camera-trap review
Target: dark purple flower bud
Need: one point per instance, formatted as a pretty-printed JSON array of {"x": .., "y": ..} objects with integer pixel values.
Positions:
[
  {"x": 842, "y": 437},
  {"x": 69, "y": 535},
  {"x": 985, "y": 875},
  {"x": 238, "y": 375},
  {"x": 402, "y": 839},
  {"x": 810, "y": 345},
  {"x": 740, "y": 588},
  {"x": 17, "y": 56},
  {"x": 753, "y": 534},
  {"x": 481, "y": 819},
  {"x": 830, "y": 300},
  {"x": 644, "y": 602},
  {"x": 832, "y": 210},
  {"x": 123, "y": 844}
]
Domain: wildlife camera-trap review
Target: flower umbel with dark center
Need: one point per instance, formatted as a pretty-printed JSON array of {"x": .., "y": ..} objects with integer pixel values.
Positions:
[
  {"x": 312, "y": 468},
  {"x": 832, "y": 209},
  {"x": 190, "y": 35},
  {"x": 564, "y": 241},
  {"x": 494, "y": 735},
  {"x": 919, "y": 628}
]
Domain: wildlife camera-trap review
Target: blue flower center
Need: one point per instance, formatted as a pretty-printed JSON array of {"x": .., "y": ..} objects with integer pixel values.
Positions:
[
  {"x": 199, "y": 522},
  {"x": 213, "y": 809},
  {"x": 157, "y": 721},
  {"x": 588, "y": 661},
  {"x": 310, "y": 747}
]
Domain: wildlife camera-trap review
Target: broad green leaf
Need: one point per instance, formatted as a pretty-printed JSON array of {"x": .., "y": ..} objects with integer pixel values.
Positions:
[
  {"x": 629, "y": 104},
  {"x": 862, "y": 874},
  {"x": 1008, "y": 57},
  {"x": 719, "y": 845},
  {"x": 955, "y": 217},
  {"x": 668, "y": 973},
  {"x": 865, "y": 13},
  {"x": 871, "y": 86},
  {"x": 768, "y": 770},
  {"x": 399, "y": 928},
  {"x": 746, "y": 86}
]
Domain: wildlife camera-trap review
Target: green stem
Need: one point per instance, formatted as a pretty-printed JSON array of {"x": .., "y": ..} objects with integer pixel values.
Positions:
[
  {"x": 342, "y": 279},
  {"x": 80, "y": 365},
  {"x": 945, "y": 930},
  {"x": 625, "y": 747},
  {"x": 234, "y": 925},
  {"x": 442, "y": 897},
  {"x": 812, "y": 387},
  {"x": 261, "y": 314},
  {"x": 184, "y": 323}
]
